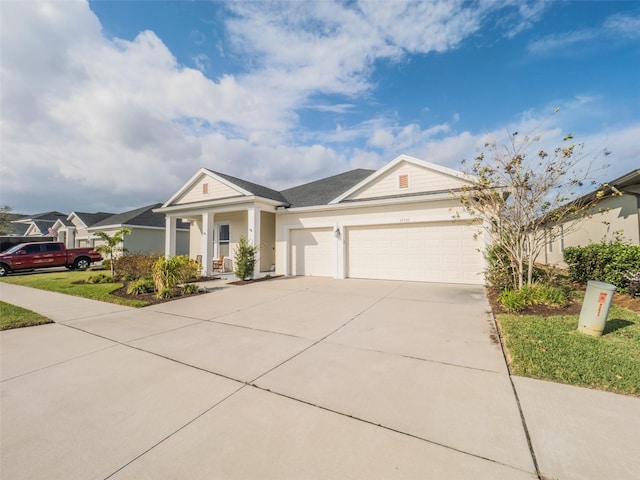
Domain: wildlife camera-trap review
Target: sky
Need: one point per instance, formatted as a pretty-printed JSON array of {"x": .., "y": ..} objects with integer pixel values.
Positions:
[{"x": 113, "y": 105}]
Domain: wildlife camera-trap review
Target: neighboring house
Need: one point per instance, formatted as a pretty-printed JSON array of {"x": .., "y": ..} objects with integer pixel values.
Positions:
[
  {"x": 613, "y": 216},
  {"x": 147, "y": 231},
  {"x": 73, "y": 230},
  {"x": 38, "y": 225},
  {"x": 400, "y": 223}
]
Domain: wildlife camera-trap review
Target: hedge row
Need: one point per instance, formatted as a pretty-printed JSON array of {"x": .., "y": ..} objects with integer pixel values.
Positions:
[{"x": 604, "y": 262}]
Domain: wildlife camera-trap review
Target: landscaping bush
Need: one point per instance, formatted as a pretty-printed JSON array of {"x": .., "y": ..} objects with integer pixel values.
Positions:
[
  {"x": 100, "y": 278},
  {"x": 140, "y": 286},
  {"x": 169, "y": 272},
  {"x": 500, "y": 272},
  {"x": 537, "y": 294},
  {"x": 189, "y": 288},
  {"x": 132, "y": 266},
  {"x": 245, "y": 259},
  {"x": 606, "y": 262}
]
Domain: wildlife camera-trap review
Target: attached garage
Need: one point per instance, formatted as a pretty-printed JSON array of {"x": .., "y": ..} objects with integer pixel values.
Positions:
[
  {"x": 432, "y": 252},
  {"x": 313, "y": 252}
]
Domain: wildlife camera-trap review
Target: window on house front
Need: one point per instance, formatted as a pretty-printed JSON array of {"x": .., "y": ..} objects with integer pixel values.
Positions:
[
  {"x": 403, "y": 181},
  {"x": 223, "y": 240}
]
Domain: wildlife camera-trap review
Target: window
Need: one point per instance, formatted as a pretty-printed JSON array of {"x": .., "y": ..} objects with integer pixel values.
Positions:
[
  {"x": 205, "y": 188},
  {"x": 31, "y": 249},
  {"x": 223, "y": 240},
  {"x": 52, "y": 247},
  {"x": 403, "y": 181}
]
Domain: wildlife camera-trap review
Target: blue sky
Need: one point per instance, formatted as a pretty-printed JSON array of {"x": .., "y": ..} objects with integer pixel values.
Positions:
[{"x": 111, "y": 105}]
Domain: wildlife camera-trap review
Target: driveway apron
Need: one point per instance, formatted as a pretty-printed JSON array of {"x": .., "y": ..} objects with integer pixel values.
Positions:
[{"x": 286, "y": 378}]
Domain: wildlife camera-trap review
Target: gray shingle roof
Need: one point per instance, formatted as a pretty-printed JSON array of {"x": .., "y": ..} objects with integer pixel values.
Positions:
[
  {"x": 254, "y": 188},
  {"x": 90, "y": 219},
  {"x": 141, "y": 217},
  {"x": 322, "y": 191}
]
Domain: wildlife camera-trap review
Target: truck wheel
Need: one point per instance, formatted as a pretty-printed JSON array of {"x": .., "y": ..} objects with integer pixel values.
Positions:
[
  {"x": 81, "y": 263},
  {"x": 4, "y": 270}
]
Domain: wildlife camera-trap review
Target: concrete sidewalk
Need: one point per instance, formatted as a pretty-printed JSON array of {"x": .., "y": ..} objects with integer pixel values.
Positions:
[{"x": 292, "y": 378}]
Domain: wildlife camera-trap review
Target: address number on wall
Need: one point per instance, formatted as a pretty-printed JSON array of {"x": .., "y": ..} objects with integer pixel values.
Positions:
[{"x": 405, "y": 220}]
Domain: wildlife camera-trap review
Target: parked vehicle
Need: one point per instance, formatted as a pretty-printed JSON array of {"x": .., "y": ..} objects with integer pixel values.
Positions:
[{"x": 27, "y": 256}]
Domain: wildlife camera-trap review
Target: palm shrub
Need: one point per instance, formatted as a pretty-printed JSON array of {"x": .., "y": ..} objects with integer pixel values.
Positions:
[
  {"x": 169, "y": 272},
  {"x": 245, "y": 259},
  {"x": 112, "y": 246}
]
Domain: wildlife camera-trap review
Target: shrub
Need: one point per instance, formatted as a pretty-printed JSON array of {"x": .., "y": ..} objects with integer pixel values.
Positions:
[
  {"x": 245, "y": 259},
  {"x": 166, "y": 293},
  {"x": 605, "y": 262},
  {"x": 536, "y": 294},
  {"x": 500, "y": 272},
  {"x": 169, "y": 272},
  {"x": 100, "y": 278},
  {"x": 132, "y": 266},
  {"x": 190, "y": 288},
  {"x": 140, "y": 286}
]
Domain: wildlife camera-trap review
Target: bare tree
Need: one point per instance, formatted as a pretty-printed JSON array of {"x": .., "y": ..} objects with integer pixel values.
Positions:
[{"x": 524, "y": 194}]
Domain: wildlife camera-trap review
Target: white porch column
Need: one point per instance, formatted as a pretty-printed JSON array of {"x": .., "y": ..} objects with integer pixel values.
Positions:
[
  {"x": 206, "y": 243},
  {"x": 170, "y": 236},
  {"x": 71, "y": 237},
  {"x": 253, "y": 226}
]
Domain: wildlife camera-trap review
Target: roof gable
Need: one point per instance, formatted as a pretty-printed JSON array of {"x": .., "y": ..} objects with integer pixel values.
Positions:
[
  {"x": 139, "y": 217},
  {"x": 406, "y": 175}
]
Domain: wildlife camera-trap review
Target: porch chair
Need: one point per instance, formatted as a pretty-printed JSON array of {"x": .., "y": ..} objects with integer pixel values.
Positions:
[{"x": 218, "y": 265}]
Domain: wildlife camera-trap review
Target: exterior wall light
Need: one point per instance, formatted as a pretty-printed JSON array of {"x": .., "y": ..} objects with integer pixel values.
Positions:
[{"x": 337, "y": 232}]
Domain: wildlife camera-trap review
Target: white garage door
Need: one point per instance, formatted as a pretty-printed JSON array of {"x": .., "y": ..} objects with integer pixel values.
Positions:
[
  {"x": 313, "y": 252},
  {"x": 431, "y": 252}
]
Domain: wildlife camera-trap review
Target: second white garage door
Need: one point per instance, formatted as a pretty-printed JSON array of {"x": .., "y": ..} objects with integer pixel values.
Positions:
[
  {"x": 313, "y": 252},
  {"x": 432, "y": 252}
]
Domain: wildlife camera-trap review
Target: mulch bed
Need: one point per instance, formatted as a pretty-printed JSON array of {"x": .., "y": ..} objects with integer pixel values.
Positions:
[
  {"x": 254, "y": 280},
  {"x": 573, "y": 308}
]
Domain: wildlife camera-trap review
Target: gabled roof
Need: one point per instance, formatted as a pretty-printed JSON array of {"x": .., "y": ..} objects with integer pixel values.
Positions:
[
  {"x": 399, "y": 159},
  {"x": 90, "y": 219},
  {"x": 41, "y": 216},
  {"x": 139, "y": 217},
  {"x": 253, "y": 188},
  {"x": 321, "y": 192}
]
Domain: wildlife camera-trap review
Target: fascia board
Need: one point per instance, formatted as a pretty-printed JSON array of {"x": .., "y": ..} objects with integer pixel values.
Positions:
[{"x": 370, "y": 203}]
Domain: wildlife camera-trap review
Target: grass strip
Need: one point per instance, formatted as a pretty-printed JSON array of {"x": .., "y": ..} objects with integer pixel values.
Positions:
[
  {"x": 67, "y": 282},
  {"x": 12, "y": 316},
  {"x": 552, "y": 349}
]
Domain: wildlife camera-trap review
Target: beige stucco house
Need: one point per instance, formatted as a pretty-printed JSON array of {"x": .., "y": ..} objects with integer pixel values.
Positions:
[
  {"x": 400, "y": 222},
  {"x": 616, "y": 215}
]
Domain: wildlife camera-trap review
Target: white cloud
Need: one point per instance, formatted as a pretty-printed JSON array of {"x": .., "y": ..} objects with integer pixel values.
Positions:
[{"x": 94, "y": 123}]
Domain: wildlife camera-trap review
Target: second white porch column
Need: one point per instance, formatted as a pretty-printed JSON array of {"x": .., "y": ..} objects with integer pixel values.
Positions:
[
  {"x": 253, "y": 227},
  {"x": 206, "y": 244},
  {"x": 170, "y": 236}
]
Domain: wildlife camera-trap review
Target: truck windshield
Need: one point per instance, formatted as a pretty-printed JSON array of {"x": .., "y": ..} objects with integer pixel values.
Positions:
[{"x": 15, "y": 248}]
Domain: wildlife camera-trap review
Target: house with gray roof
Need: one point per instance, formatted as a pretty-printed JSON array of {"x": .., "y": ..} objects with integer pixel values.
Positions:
[
  {"x": 147, "y": 229},
  {"x": 400, "y": 222}
]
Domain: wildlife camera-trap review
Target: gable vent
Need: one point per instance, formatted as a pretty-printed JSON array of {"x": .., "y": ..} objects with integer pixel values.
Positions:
[
  {"x": 205, "y": 188},
  {"x": 403, "y": 181}
]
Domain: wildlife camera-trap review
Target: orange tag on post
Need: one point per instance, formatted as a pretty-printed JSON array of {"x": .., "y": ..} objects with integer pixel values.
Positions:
[{"x": 602, "y": 298}]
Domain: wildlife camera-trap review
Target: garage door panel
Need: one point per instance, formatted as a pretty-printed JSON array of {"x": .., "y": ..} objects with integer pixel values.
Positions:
[
  {"x": 435, "y": 252},
  {"x": 313, "y": 252}
]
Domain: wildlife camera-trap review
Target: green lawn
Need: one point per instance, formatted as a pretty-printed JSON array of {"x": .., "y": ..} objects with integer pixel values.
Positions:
[
  {"x": 17, "y": 317},
  {"x": 64, "y": 282},
  {"x": 551, "y": 349}
]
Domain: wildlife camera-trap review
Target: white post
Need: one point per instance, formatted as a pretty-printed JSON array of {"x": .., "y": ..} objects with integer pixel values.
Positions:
[
  {"x": 170, "y": 236},
  {"x": 206, "y": 243},
  {"x": 253, "y": 225}
]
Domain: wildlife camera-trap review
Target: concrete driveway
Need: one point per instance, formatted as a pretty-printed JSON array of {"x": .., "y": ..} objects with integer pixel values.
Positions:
[{"x": 291, "y": 378}]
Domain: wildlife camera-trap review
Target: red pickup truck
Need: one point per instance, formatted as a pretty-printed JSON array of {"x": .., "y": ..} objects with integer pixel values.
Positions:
[{"x": 27, "y": 256}]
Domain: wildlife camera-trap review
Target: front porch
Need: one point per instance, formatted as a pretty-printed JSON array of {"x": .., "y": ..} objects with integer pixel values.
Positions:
[{"x": 214, "y": 234}]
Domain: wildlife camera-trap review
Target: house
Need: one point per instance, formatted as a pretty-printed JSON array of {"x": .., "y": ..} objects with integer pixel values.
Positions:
[
  {"x": 73, "y": 230},
  {"x": 612, "y": 216},
  {"x": 38, "y": 225},
  {"x": 400, "y": 222},
  {"x": 147, "y": 230}
]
